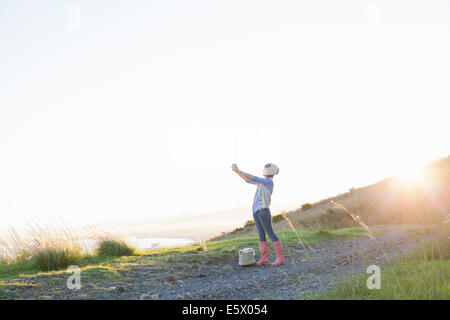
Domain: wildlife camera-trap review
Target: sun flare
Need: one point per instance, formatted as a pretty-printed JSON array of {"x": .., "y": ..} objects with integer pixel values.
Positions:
[{"x": 411, "y": 175}]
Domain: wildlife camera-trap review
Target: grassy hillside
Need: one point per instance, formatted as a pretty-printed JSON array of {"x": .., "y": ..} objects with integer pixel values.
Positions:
[
  {"x": 388, "y": 202},
  {"x": 421, "y": 274}
]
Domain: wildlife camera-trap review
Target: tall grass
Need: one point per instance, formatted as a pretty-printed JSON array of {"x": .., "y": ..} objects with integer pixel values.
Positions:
[{"x": 50, "y": 247}]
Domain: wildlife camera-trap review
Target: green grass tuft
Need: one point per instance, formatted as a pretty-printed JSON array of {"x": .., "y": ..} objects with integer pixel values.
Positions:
[
  {"x": 202, "y": 246},
  {"x": 114, "y": 247},
  {"x": 54, "y": 258}
]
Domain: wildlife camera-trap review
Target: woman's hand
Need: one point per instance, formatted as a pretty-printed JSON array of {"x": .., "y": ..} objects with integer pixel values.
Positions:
[{"x": 240, "y": 173}]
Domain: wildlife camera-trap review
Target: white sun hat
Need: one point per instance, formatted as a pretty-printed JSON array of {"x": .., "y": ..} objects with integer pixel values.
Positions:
[{"x": 270, "y": 169}]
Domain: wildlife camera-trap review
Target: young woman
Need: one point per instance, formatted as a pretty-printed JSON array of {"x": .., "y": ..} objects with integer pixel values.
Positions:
[{"x": 261, "y": 212}]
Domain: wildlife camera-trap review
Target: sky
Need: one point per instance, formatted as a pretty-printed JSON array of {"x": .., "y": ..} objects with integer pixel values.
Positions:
[{"x": 128, "y": 109}]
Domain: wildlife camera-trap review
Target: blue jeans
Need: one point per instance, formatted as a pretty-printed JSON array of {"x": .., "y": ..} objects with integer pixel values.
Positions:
[{"x": 263, "y": 223}]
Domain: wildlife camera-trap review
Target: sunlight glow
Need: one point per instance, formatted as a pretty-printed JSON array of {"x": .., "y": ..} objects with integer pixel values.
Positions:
[{"x": 412, "y": 175}]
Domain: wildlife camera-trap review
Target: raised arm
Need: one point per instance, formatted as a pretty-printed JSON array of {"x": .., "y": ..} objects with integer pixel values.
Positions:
[
  {"x": 251, "y": 178},
  {"x": 242, "y": 174}
]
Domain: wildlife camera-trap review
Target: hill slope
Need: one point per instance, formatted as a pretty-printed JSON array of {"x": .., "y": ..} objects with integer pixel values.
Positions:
[{"x": 388, "y": 202}]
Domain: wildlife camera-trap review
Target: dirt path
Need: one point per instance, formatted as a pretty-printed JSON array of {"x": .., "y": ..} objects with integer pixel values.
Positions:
[{"x": 307, "y": 271}]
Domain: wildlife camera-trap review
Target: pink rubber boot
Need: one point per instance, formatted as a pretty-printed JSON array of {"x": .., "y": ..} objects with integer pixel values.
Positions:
[
  {"x": 279, "y": 252},
  {"x": 264, "y": 254}
]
